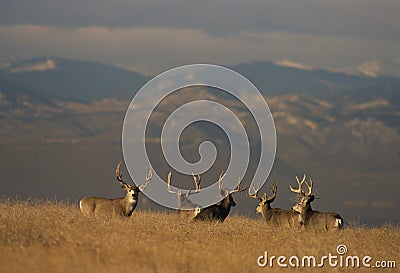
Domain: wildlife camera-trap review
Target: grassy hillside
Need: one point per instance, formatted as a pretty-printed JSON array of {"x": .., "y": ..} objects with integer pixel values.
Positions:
[{"x": 49, "y": 237}]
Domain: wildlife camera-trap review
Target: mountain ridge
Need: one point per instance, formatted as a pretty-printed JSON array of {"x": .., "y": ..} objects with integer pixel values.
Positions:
[
  {"x": 90, "y": 81},
  {"x": 78, "y": 80}
]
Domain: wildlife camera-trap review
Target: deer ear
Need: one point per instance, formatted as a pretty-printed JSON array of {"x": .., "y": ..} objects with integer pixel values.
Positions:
[{"x": 312, "y": 197}]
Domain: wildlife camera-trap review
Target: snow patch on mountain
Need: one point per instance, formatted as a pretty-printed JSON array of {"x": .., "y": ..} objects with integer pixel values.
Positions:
[{"x": 33, "y": 66}]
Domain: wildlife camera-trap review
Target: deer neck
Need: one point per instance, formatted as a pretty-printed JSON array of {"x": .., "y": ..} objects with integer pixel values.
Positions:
[
  {"x": 265, "y": 209},
  {"x": 308, "y": 208},
  {"x": 129, "y": 204},
  {"x": 304, "y": 212},
  {"x": 181, "y": 200},
  {"x": 225, "y": 204}
]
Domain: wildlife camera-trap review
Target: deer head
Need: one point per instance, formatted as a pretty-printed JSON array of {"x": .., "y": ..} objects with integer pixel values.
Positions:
[
  {"x": 183, "y": 199},
  {"x": 306, "y": 198},
  {"x": 265, "y": 201},
  {"x": 228, "y": 200},
  {"x": 132, "y": 191}
]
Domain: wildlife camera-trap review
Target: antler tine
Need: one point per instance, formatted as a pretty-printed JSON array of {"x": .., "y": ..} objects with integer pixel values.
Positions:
[
  {"x": 118, "y": 174},
  {"x": 169, "y": 184},
  {"x": 309, "y": 187},
  {"x": 149, "y": 175},
  {"x": 198, "y": 183},
  {"x": 221, "y": 176},
  {"x": 264, "y": 197},
  {"x": 300, "y": 183},
  {"x": 196, "y": 180},
  {"x": 274, "y": 189},
  {"x": 254, "y": 195},
  {"x": 304, "y": 178},
  {"x": 238, "y": 189}
]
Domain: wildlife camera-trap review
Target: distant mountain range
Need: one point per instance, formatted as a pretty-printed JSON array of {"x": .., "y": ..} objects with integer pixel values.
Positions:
[
  {"x": 71, "y": 79},
  {"x": 60, "y": 117},
  {"x": 91, "y": 81}
]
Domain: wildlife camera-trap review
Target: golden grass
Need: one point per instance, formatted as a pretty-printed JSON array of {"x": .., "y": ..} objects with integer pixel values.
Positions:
[{"x": 53, "y": 237}]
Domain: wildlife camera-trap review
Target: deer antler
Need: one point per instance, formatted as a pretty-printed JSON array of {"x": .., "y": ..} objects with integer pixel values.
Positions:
[
  {"x": 169, "y": 184},
  {"x": 238, "y": 189},
  {"x": 265, "y": 198},
  {"x": 299, "y": 190},
  {"x": 119, "y": 176},
  {"x": 149, "y": 175},
  {"x": 255, "y": 193},
  {"x": 309, "y": 187},
  {"x": 274, "y": 189},
  {"x": 178, "y": 193},
  {"x": 221, "y": 176},
  {"x": 196, "y": 180}
]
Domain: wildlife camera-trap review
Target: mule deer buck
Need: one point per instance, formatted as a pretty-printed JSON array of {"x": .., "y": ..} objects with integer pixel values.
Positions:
[
  {"x": 186, "y": 208},
  {"x": 123, "y": 206},
  {"x": 219, "y": 212},
  {"x": 311, "y": 218},
  {"x": 275, "y": 216}
]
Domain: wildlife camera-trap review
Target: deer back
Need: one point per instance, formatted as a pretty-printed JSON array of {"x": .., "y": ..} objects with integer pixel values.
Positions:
[
  {"x": 282, "y": 218},
  {"x": 322, "y": 220}
]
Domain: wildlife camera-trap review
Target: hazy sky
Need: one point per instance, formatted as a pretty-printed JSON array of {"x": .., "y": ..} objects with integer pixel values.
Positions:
[{"x": 153, "y": 35}]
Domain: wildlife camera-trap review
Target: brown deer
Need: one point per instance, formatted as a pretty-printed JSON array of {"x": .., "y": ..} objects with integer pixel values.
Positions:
[
  {"x": 312, "y": 219},
  {"x": 219, "y": 211},
  {"x": 186, "y": 209},
  {"x": 275, "y": 216},
  {"x": 123, "y": 206}
]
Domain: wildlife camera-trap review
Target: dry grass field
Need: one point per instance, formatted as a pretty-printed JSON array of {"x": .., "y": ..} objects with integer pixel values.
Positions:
[{"x": 46, "y": 236}]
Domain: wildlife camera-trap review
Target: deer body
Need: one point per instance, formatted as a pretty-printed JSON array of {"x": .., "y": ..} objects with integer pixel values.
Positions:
[
  {"x": 123, "y": 206},
  {"x": 275, "y": 216},
  {"x": 217, "y": 212},
  {"x": 323, "y": 220},
  {"x": 109, "y": 207},
  {"x": 312, "y": 219},
  {"x": 187, "y": 210},
  {"x": 281, "y": 218}
]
